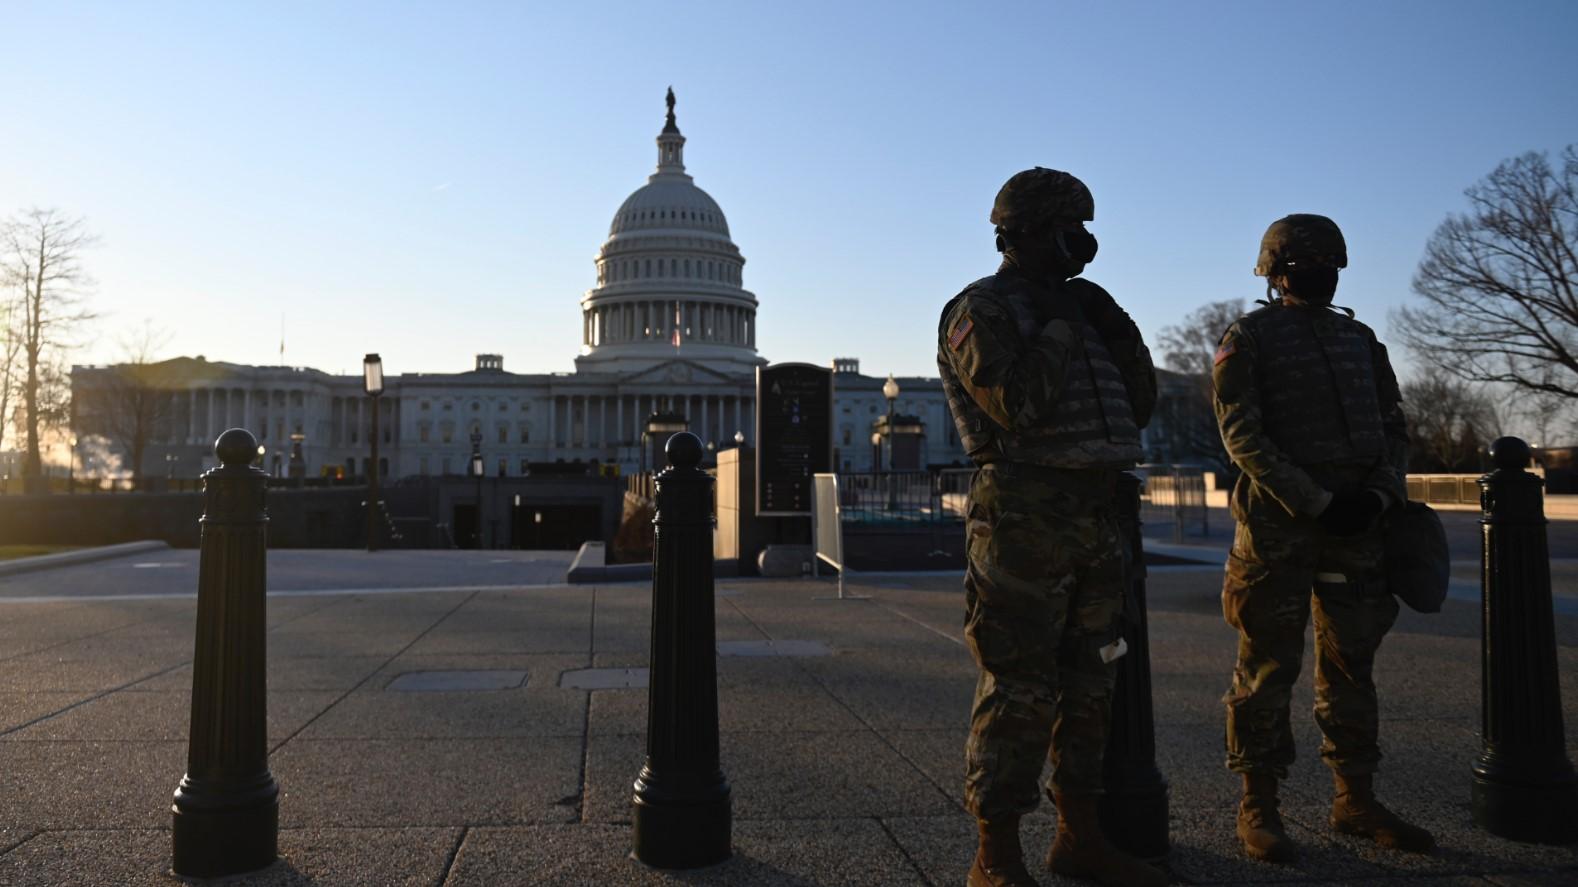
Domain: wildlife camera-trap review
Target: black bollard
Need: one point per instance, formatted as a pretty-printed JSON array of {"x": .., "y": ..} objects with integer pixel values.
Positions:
[
  {"x": 682, "y": 804},
  {"x": 226, "y": 809},
  {"x": 1524, "y": 785},
  {"x": 1134, "y": 809}
]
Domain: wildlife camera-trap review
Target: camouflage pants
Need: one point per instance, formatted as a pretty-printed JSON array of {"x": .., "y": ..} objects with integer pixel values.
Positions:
[
  {"x": 1276, "y": 570},
  {"x": 1043, "y": 593}
]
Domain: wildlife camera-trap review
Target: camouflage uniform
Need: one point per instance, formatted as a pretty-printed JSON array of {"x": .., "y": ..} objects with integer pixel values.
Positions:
[
  {"x": 1308, "y": 406},
  {"x": 1048, "y": 389}
]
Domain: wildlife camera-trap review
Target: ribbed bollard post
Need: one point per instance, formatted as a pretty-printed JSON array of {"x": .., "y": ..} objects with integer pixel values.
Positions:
[
  {"x": 1524, "y": 785},
  {"x": 1134, "y": 809},
  {"x": 682, "y": 803},
  {"x": 226, "y": 809}
]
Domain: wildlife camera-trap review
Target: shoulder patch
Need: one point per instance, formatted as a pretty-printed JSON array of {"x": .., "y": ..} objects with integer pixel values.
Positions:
[
  {"x": 1224, "y": 351},
  {"x": 960, "y": 331}
]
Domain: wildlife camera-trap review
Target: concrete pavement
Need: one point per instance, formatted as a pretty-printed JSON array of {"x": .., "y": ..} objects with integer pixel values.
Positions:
[{"x": 846, "y": 767}]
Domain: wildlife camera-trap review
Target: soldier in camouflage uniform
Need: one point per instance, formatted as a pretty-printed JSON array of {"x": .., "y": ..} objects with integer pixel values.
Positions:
[
  {"x": 1310, "y": 413},
  {"x": 1049, "y": 383}
]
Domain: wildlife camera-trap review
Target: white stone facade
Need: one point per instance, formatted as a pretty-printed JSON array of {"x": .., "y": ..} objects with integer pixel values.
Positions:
[{"x": 669, "y": 327}]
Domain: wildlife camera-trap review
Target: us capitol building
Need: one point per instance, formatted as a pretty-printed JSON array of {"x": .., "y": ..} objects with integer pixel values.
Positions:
[{"x": 669, "y": 328}]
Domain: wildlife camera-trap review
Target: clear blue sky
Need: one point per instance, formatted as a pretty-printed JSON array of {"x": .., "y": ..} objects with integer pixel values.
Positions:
[{"x": 433, "y": 180}]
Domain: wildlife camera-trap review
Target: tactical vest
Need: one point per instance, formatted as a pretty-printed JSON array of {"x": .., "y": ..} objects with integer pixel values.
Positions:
[
  {"x": 1092, "y": 425},
  {"x": 1318, "y": 398}
]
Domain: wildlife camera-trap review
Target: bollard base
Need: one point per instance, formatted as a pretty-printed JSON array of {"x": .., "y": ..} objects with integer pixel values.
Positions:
[
  {"x": 1536, "y": 814},
  {"x": 212, "y": 841},
  {"x": 1135, "y": 820},
  {"x": 682, "y": 830}
]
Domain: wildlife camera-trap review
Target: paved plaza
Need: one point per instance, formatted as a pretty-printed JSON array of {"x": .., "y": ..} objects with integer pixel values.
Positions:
[{"x": 845, "y": 757}]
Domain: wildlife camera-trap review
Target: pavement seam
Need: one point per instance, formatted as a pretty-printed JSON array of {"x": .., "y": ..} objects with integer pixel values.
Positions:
[
  {"x": 815, "y": 679},
  {"x": 454, "y": 854},
  {"x": 30, "y": 836},
  {"x": 274, "y": 749},
  {"x": 95, "y": 697},
  {"x": 934, "y": 630},
  {"x": 904, "y": 851},
  {"x": 87, "y": 637},
  {"x": 314, "y": 610},
  {"x": 586, "y": 716}
]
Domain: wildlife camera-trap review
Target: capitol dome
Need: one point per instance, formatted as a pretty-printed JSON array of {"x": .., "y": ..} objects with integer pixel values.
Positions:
[{"x": 669, "y": 279}]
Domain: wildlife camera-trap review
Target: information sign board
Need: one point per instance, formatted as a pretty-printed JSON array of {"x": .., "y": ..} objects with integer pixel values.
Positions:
[{"x": 794, "y": 435}]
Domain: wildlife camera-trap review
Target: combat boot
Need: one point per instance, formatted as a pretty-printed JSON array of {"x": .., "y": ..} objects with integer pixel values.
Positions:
[
  {"x": 1081, "y": 850},
  {"x": 999, "y": 862},
  {"x": 1355, "y": 811},
  {"x": 1260, "y": 828}
]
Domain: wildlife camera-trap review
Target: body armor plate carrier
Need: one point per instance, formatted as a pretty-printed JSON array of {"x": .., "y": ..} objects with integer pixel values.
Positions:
[
  {"x": 1093, "y": 424},
  {"x": 1317, "y": 382}
]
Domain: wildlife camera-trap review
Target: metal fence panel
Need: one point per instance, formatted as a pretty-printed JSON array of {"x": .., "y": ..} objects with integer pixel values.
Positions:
[{"x": 1174, "y": 494}]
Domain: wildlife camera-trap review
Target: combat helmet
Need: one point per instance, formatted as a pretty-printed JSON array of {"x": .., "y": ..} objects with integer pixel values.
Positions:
[
  {"x": 1301, "y": 239},
  {"x": 1040, "y": 195}
]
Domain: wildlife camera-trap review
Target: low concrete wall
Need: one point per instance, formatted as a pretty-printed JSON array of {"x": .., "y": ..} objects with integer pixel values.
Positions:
[
  {"x": 882, "y": 548},
  {"x": 298, "y": 518}
]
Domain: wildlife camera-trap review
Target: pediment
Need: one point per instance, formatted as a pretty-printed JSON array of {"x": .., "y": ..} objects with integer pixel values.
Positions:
[{"x": 680, "y": 372}]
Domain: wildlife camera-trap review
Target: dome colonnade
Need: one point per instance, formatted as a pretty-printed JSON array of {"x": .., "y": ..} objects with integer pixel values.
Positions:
[{"x": 669, "y": 279}]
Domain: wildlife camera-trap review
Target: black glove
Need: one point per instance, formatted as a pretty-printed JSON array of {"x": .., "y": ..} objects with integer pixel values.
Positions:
[{"x": 1350, "y": 514}]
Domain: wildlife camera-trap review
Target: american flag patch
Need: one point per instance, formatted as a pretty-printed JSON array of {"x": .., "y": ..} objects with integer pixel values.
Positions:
[
  {"x": 1227, "y": 350},
  {"x": 959, "y": 332}
]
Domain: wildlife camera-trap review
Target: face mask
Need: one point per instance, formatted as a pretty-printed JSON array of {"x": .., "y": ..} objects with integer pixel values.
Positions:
[
  {"x": 1078, "y": 245},
  {"x": 1313, "y": 286}
]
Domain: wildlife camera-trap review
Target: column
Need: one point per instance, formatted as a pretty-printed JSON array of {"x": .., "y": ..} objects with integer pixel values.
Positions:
[
  {"x": 602, "y": 420},
  {"x": 706, "y": 432},
  {"x": 737, "y": 425},
  {"x": 552, "y": 433},
  {"x": 619, "y": 419}
]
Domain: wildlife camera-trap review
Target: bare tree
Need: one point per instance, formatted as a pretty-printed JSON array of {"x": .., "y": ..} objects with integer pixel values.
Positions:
[
  {"x": 10, "y": 352},
  {"x": 1498, "y": 282},
  {"x": 40, "y": 259},
  {"x": 1189, "y": 346},
  {"x": 1185, "y": 421},
  {"x": 133, "y": 398},
  {"x": 1450, "y": 422}
]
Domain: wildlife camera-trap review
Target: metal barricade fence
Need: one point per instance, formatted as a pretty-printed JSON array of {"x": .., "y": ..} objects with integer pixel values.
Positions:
[
  {"x": 1174, "y": 494},
  {"x": 904, "y": 497}
]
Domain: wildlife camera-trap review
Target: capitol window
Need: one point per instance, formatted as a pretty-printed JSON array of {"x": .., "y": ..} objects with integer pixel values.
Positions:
[
  {"x": 525, "y": 434},
  {"x": 503, "y": 406},
  {"x": 422, "y": 433},
  {"x": 425, "y": 404},
  {"x": 475, "y": 406},
  {"x": 504, "y": 434}
]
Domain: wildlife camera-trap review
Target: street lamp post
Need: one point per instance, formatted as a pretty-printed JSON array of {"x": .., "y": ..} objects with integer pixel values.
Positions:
[
  {"x": 373, "y": 384},
  {"x": 477, "y": 470},
  {"x": 890, "y": 390}
]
